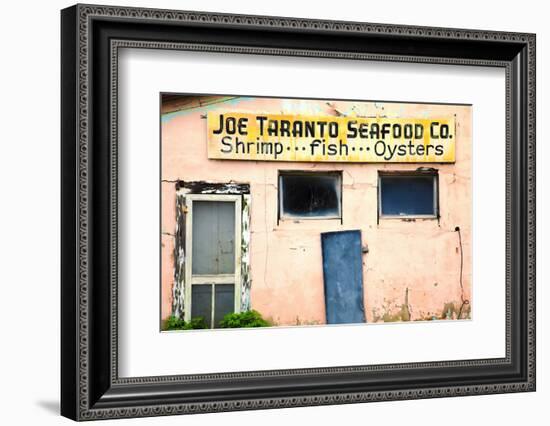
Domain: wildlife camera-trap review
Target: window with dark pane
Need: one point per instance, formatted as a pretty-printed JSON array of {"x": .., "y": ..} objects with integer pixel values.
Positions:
[
  {"x": 408, "y": 195},
  {"x": 224, "y": 301},
  {"x": 201, "y": 305},
  {"x": 310, "y": 195}
]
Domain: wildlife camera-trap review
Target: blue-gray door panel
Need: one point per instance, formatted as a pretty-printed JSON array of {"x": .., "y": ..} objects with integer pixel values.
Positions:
[
  {"x": 213, "y": 237},
  {"x": 343, "y": 277}
]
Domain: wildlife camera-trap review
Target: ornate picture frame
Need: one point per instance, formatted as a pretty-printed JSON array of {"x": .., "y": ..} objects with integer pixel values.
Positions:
[{"x": 91, "y": 39}]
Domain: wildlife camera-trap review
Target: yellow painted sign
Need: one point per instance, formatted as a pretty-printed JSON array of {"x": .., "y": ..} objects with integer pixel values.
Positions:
[{"x": 281, "y": 137}]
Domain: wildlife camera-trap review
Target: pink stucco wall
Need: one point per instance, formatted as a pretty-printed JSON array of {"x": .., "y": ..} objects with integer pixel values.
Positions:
[{"x": 412, "y": 269}]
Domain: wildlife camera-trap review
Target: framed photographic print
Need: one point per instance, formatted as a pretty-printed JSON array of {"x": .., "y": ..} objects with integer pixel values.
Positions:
[{"x": 263, "y": 212}]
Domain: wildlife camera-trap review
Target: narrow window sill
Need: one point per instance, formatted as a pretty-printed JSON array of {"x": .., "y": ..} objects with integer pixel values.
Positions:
[{"x": 407, "y": 218}]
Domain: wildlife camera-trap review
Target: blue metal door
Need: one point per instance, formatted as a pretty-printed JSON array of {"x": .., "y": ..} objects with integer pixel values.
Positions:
[{"x": 343, "y": 276}]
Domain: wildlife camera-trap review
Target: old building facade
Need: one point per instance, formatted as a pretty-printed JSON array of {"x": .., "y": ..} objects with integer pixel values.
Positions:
[{"x": 272, "y": 222}]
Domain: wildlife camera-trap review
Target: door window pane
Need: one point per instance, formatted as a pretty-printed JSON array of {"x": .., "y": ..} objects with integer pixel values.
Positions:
[
  {"x": 201, "y": 302},
  {"x": 213, "y": 237},
  {"x": 407, "y": 195},
  {"x": 225, "y": 301}
]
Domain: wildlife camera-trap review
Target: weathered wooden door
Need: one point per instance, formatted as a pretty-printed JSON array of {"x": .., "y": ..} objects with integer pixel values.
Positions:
[
  {"x": 213, "y": 261},
  {"x": 343, "y": 277}
]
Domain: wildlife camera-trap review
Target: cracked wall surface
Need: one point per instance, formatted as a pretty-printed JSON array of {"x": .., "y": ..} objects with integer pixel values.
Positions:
[{"x": 412, "y": 270}]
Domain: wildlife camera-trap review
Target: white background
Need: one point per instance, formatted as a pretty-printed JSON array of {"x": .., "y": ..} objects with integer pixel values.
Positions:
[
  {"x": 142, "y": 346},
  {"x": 29, "y": 225}
]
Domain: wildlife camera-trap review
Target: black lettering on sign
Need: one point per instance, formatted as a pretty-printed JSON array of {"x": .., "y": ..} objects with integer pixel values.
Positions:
[
  {"x": 231, "y": 125},
  {"x": 352, "y": 129},
  {"x": 261, "y": 119},
  {"x": 438, "y": 131},
  {"x": 226, "y": 142}
]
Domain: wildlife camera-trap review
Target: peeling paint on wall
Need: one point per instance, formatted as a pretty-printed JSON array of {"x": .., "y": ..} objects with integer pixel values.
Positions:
[
  {"x": 246, "y": 281},
  {"x": 178, "y": 288}
]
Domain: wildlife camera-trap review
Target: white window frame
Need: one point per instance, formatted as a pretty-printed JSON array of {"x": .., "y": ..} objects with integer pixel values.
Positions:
[{"x": 202, "y": 279}]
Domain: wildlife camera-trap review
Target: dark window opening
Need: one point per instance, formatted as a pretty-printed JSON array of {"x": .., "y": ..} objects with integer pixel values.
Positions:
[
  {"x": 408, "y": 195},
  {"x": 304, "y": 195}
]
